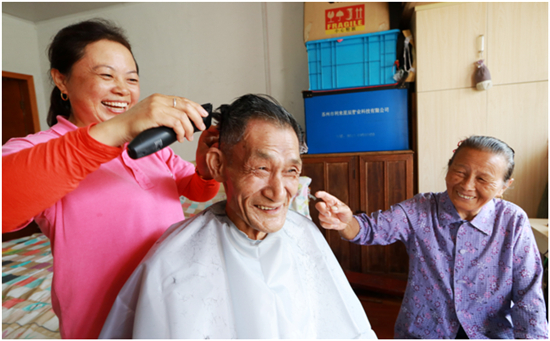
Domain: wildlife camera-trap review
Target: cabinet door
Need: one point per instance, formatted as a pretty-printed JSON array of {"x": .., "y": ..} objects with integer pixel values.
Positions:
[
  {"x": 444, "y": 118},
  {"x": 446, "y": 50},
  {"x": 518, "y": 115},
  {"x": 518, "y": 42},
  {"x": 337, "y": 176},
  {"x": 385, "y": 180}
]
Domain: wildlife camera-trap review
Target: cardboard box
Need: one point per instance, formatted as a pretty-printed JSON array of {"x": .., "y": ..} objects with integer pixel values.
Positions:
[
  {"x": 323, "y": 20},
  {"x": 357, "y": 120}
]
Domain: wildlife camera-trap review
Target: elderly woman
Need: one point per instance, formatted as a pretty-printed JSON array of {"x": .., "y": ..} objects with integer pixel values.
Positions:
[
  {"x": 474, "y": 267},
  {"x": 101, "y": 209}
]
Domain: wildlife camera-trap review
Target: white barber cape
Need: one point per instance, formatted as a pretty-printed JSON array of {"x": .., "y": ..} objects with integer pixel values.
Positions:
[{"x": 205, "y": 278}]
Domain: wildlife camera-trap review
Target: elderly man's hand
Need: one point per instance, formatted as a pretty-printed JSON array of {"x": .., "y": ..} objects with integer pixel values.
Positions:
[
  {"x": 335, "y": 215},
  {"x": 209, "y": 138}
]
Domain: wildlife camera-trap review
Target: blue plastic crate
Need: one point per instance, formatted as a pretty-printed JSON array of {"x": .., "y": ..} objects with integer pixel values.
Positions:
[
  {"x": 347, "y": 121},
  {"x": 352, "y": 61}
]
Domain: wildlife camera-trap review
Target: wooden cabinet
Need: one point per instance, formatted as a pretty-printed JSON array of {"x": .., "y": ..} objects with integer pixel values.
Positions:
[
  {"x": 366, "y": 182},
  {"x": 517, "y": 42},
  {"x": 338, "y": 175},
  {"x": 444, "y": 118},
  {"x": 515, "y": 109},
  {"x": 518, "y": 114},
  {"x": 445, "y": 41}
]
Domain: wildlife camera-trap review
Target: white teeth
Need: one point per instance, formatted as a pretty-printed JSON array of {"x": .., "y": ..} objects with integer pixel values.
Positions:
[
  {"x": 464, "y": 196},
  {"x": 265, "y": 208},
  {"x": 116, "y": 104}
]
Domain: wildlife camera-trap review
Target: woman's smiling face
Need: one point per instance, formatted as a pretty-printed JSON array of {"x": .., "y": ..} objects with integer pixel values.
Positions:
[
  {"x": 474, "y": 178},
  {"x": 102, "y": 84}
]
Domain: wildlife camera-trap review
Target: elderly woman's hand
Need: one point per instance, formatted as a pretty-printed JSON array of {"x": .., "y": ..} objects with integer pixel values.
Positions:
[
  {"x": 335, "y": 215},
  {"x": 209, "y": 138},
  {"x": 154, "y": 111}
]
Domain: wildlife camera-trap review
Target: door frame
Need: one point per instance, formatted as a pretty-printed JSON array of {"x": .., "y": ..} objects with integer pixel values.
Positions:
[{"x": 31, "y": 101}]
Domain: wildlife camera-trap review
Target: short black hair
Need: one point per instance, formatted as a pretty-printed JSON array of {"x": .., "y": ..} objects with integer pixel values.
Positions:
[
  {"x": 492, "y": 145},
  {"x": 233, "y": 119}
]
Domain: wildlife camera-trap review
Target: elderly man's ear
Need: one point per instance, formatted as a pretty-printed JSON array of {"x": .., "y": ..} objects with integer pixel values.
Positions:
[{"x": 215, "y": 163}]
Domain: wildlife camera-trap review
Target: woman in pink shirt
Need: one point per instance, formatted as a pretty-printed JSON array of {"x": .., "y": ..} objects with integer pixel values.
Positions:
[{"x": 101, "y": 209}]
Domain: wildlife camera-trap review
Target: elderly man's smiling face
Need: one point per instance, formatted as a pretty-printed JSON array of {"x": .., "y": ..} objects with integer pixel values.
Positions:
[{"x": 262, "y": 178}]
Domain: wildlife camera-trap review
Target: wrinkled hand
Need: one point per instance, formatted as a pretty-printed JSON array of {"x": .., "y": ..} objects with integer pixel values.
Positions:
[
  {"x": 154, "y": 111},
  {"x": 335, "y": 215},
  {"x": 209, "y": 138}
]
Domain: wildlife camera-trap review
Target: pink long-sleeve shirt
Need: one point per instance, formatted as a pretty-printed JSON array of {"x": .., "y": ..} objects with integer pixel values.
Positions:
[{"x": 108, "y": 216}]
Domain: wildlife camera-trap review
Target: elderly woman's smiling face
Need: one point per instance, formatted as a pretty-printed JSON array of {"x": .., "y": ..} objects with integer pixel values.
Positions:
[
  {"x": 102, "y": 84},
  {"x": 474, "y": 178}
]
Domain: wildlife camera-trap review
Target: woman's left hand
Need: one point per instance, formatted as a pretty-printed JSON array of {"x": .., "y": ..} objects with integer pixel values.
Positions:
[{"x": 209, "y": 138}]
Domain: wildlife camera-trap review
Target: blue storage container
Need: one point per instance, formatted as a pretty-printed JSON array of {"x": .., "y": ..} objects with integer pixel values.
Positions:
[
  {"x": 352, "y": 61},
  {"x": 357, "y": 121}
]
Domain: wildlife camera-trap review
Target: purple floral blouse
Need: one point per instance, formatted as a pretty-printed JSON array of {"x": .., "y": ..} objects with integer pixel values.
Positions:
[{"x": 485, "y": 274}]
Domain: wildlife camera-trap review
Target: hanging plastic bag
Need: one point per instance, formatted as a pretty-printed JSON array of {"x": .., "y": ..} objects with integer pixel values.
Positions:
[
  {"x": 482, "y": 76},
  {"x": 404, "y": 63}
]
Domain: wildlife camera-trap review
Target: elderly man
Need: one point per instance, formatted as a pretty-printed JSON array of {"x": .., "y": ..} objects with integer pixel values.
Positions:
[{"x": 247, "y": 267}]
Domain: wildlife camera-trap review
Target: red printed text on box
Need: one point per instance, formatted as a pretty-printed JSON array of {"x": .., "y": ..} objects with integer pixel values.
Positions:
[{"x": 345, "y": 19}]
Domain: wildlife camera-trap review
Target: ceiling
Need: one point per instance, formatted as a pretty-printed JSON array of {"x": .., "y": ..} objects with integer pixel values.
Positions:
[{"x": 39, "y": 11}]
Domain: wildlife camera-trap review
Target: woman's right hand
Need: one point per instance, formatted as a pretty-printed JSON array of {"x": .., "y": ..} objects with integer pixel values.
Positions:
[
  {"x": 335, "y": 215},
  {"x": 154, "y": 111}
]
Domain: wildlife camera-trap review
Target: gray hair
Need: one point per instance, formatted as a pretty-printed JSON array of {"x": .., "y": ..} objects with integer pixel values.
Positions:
[
  {"x": 233, "y": 119},
  {"x": 492, "y": 145}
]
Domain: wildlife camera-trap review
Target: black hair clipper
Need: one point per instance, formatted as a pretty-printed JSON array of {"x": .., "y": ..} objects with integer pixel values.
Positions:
[{"x": 152, "y": 140}]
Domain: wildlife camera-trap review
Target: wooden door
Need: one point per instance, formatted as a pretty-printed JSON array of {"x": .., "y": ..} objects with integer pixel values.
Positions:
[
  {"x": 335, "y": 174},
  {"x": 19, "y": 110},
  {"x": 385, "y": 179}
]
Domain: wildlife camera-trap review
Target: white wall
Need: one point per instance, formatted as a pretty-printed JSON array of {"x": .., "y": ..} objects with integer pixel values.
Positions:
[
  {"x": 207, "y": 52},
  {"x": 287, "y": 56},
  {"x": 20, "y": 54}
]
